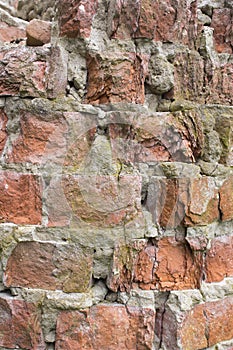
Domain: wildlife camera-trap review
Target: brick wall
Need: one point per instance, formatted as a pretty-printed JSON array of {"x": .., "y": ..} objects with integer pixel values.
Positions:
[{"x": 116, "y": 181}]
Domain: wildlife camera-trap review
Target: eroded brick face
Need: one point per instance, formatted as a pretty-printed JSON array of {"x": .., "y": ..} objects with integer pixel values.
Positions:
[
  {"x": 20, "y": 324},
  {"x": 206, "y": 324},
  {"x": 20, "y": 198},
  {"x": 123, "y": 80},
  {"x": 106, "y": 327},
  {"x": 75, "y": 17},
  {"x": 49, "y": 266},
  {"x": 116, "y": 192}
]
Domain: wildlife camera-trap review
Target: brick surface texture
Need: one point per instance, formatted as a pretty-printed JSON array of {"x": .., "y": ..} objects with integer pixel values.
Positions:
[{"x": 116, "y": 175}]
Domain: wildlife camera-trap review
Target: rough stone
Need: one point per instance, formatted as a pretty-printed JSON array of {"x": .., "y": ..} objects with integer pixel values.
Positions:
[
  {"x": 193, "y": 330},
  {"x": 3, "y": 131},
  {"x": 146, "y": 138},
  {"x": 142, "y": 19},
  {"x": 180, "y": 200},
  {"x": 161, "y": 79},
  {"x": 226, "y": 199},
  {"x": 209, "y": 323},
  {"x": 115, "y": 77},
  {"x": 38, "y": 32},
  {"x": 166, "y": 265},
  {"x": 177, "y": 266},
  {"x": 224, "y": 127},
  {"x": 21, "y": 198},
  {"x": 42, "y": 139},
  {"x": 222, "y": 22},
  {"x": 75, "y": 17},
  {"x": 107, "y": 327},
  {"x": 189, "y": 76},
  {"x": 28, "y": 71},
  {"x": 104, "y": 200},
  {"x": 20, "y": 324},
  {"x": 218, "y": 259},
  {"x": 203, "y": 203},
  {"x": 49, "y": 266}
]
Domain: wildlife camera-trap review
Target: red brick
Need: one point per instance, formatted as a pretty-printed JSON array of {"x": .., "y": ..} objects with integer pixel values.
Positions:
[
  {"x": 193, "y": 330},
  {"x": 169, "y": 204},
  {"x": 104, "y": 200},
  {"x": 219, "y": 263},
  {"x": 38, "y": 32},
  {"x": 106, "y": 327},
  {"x": 3, "y": 132},
  {"x": 20, "y": 324},
  {"x": 222, "y": 22},
  {"x": 57, "y": 206},
  {"x": 207, "y": 324},
  {"x": 177, "y": 267},
  {"x": 176, "y": 21},
  {"x": 219, "y": 87},
  {"x": 49, "y": 266},
  {"x": 226, "y": 199},
  {"x": 147, "y": 139},
  {"x": 42, "y": 139},
  {"x": 33, "y": 71},
  {"x": 75, "y": 17},
  {"x": 20, "y": 201},
  {"x": 115, "y": 78},
  {"x": 167, "y": 265},
  {"x": 131, "y": 19},
  {"x": 166, "y": 20},
  {"x": 183, "y": 200},
  {"x": 203, "y": 203}
]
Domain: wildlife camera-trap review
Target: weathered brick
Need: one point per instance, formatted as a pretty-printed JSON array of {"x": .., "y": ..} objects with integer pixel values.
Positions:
[
  {"x": 20, "y": 324},
  {"x": 42, "y": 138},
  {"x": 207, "y": 324},
  {"x": 124, "y": 20},
  {"x": 105, "y": 200},
  {"x": 20, "y": 201},
  {"x": 75, "y": 17},
  {"x": 183, "y": 200},
  {"x": 220, "y": 85},
  {"x": 177, "y": 266},
  {"x": 33, "y": 72},
  {"x": 156, "y": 137},
  {"x": 57, "y": 206},
  {"x": 106, "y": 327},
  {"x": 189, "y": 76},
  {"x": 203, "y": 203},
  {"x": 218, "y": 262},
  {"x": 226, "y": 199},
  {"x": 115, "y": 78},
  {"x": 167, "y": 206},
  {"x": 193, "y": 330},
  {"x": 176, "y": 21},
  {"x": 3, "y": 131},
  {"x": 166, "y": 20},
  {"x": 222, "y": 22},
  {"x": 165, "y": 265},
  {"x": 23, "y": 71},
  {"x": 49, "y": 266}
]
